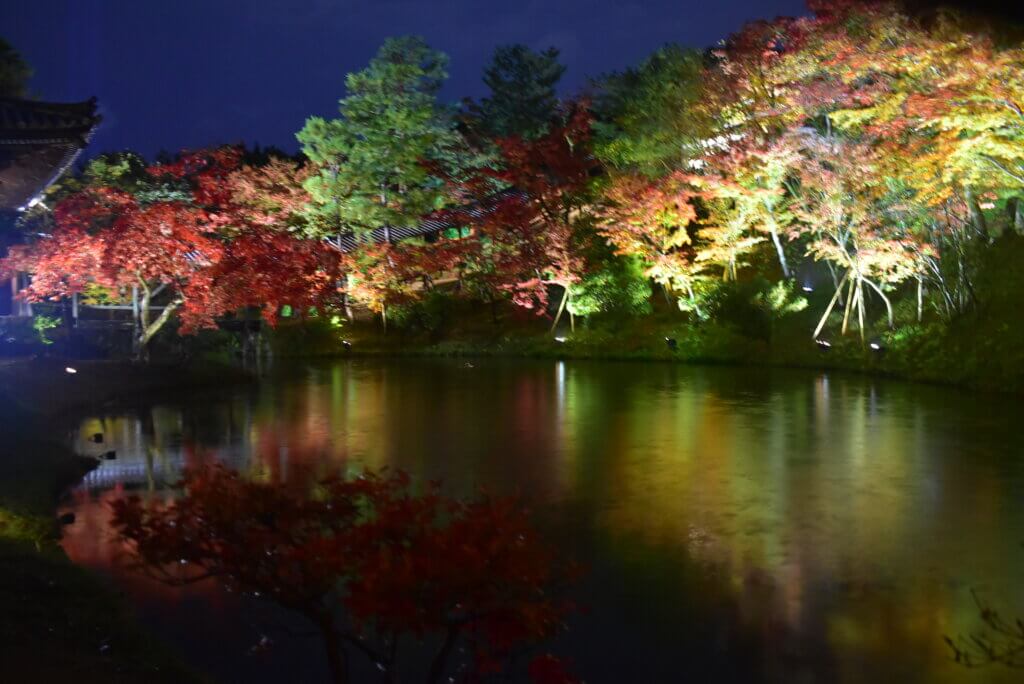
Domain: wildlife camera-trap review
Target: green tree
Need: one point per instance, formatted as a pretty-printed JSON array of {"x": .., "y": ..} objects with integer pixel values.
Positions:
[
  {"x": 523, "y": 101},
  {"x": 619, "y": 285},
  {"x": 376, "y": 165},
  {"x": 650, "y": 118},
  {"x": 14, "y": 71}
]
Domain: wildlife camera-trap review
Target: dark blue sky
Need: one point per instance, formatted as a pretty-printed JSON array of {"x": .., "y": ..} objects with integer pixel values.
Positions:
[{"x": 186, "y": 73}]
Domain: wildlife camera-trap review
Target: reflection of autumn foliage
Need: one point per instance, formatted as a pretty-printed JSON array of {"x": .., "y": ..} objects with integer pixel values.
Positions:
[{"x": 369, "y": 562}]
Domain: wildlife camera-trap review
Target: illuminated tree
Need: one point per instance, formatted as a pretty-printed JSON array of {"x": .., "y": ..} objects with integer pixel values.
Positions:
[
  {"x": 936, "y": 103},
  {"x": 182, "y": 240},
  {"x": 367, "y": 561},
  {"x": 745, "y": 190},
  {"x": 271, "y": 194},
  {"x": 531, "y": 235},
  {"x": 654, "y": 220},
  {"x": 373, "y": 165},
  {"x": 651, "y": 119},
  {"x": 837, "y": 213}
]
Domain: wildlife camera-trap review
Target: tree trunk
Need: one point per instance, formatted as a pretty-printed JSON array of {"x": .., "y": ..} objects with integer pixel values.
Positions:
[
  {"x": 346, "y": 300},
  {"x": 337, "y": 659},
  {"x": 149, "y": 330},
  {"x": 920, "y": 298},
  {"x": 693, "y": 301},
  {"x": 493, "y": 304},
  {"x": 561, "y": 308},
  {"x": 836, "y": 281},
  {"x": 860, "y": 310},
  {"x": 347, "y": 304},
  {"x": 977, "y": 215},
  {"x": 888, "y": 304},
  {"x": 135, "y": 322},
  {"x": 779, "y": 251},
  {"x": 831, "y": 305},
  {"x": 1018, "y": 217},
  {"x": 437, "y": 667},
  {"x": 851, "y": 303}
]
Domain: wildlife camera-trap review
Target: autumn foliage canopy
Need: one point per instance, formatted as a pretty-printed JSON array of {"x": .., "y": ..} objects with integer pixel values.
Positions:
[{"x": 368, "y": 561}]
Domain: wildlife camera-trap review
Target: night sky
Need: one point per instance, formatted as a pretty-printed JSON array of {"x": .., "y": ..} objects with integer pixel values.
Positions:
[{"x": 188, "y": 73}]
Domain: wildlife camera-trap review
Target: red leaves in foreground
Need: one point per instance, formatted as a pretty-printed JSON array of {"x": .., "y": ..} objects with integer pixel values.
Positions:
[{"x": 394, "y": 562}]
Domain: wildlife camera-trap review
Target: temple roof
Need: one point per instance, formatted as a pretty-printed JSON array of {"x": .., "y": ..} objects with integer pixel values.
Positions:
[
  {"x": 38, "y": 142},
  {"x": 430, "y": 225}
]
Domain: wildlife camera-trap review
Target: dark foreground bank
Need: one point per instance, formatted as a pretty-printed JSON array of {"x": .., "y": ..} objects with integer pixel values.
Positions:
[{"x": 59, "y": 622}]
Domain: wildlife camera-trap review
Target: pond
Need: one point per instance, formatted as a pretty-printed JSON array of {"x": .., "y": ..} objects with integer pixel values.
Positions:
[{"x": 738, "y": 524}]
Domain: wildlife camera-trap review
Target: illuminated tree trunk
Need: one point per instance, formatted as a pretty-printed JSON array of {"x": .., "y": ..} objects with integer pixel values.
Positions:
[
  {"x": 561, "y": 307},
  {"x": 831, "y": 305},
  {"x": 851, "y": 303},
  {"x": 346, "y": 301},
  {"x": 693, "y": 301},
  {"x": 920, "y": 298},
  {"x": 860, "y": 309},
  {"x": 779, "y": 251},
  {"x": 888, "y": 304},
  {"x": 144, "y": 330}
]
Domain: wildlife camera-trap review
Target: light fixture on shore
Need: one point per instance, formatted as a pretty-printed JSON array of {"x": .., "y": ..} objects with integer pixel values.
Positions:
[
  {"x": 561, "y": 340},
  {"x": 69, "y": 370}
]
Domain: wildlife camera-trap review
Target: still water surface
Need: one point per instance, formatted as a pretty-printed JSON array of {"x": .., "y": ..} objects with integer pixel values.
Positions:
[{"x": 739, "y": 525}]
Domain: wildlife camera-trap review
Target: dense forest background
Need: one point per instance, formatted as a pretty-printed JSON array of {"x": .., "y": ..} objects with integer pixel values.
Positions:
[{"x": 843, "y": 188}]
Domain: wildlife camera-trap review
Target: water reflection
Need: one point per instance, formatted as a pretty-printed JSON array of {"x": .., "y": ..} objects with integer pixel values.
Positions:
[{"x": 789, "y": 524}]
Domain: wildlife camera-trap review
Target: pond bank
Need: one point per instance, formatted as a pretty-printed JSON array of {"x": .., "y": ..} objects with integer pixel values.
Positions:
[
  {"x": 969, "y": 355},
  {"x": 59, "y": 621}
]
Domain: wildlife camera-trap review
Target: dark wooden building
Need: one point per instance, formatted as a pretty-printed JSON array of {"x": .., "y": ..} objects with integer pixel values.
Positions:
[{"x": 39, "y": 141}]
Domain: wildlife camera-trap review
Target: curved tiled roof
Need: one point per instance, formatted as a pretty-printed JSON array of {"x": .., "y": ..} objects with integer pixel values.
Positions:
[{"x": 38, "y": 142}]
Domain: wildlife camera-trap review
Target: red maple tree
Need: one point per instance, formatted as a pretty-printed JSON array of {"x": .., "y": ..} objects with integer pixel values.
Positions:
[
  {"x": 216, "y": 240},
  {"x": 367, "y": 561},
  {"x": 529, "y": 233}
]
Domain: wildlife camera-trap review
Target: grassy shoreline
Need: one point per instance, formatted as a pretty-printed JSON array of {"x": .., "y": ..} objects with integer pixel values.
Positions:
[{"x": 970, "y": 356}]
